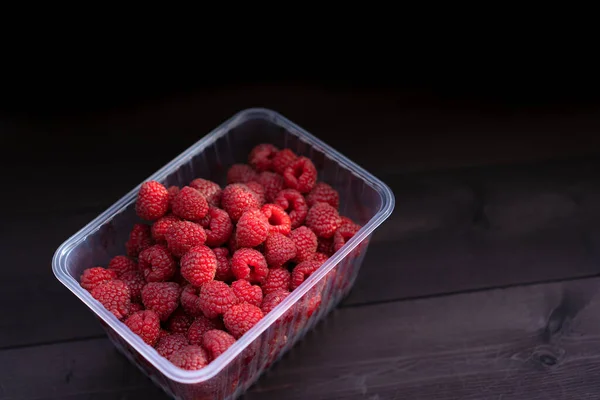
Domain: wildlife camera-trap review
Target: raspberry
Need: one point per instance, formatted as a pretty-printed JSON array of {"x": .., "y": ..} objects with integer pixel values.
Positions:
[
  {"x": 190, "y": 204},
  {"x": 240, "y": 318},
  {"x": 320, "y": 257},
  {"x": 325, "y": 246},
  {"x": 152, "y": 201},
  {"x": 282, "y": 159},
  {"x": 190, "y": 358},
  {"x": 240, "y": 173},
  {"x": 96, "y": 276},
  {"x": 323, "y": 220},
  {"x": 258, "y": 190},
  {"x": 184, "y": 235},
  {"x": 177, "y": 278},
  {"x": 277, "y": 279},
  {"x": 272, "y": 183},
  {"x": 252, "y": 229},
  {"x": 294, "y": 204},
  {"x": 345, "y": 220},
  {"x": 237, "y": 199},
  {"x": 312, "y": 305},
  {"x": 162, "y": 226},
  {"x": 216, "y": 342},
  {"x": 249, "y": 264},
  {"x": 261, "y": 157},
  {"x": 306, "y": 243},
  {"x": 199, "y": 265},
  {"x": 278, "y": 219},
  {"x": 122, "y": 264},
  {"x": 279, "y": 249},
  {"x": 135, "y": 307},
  {"x": 179, "y": 322},
  {"x": 246, "y": 292},
  {"x": 323, "y": 193},
  {"x": 156, "y": 263},
  {"x": 232, "y": 243},
  {"x": 114, "y": 296},
  {"x": 190, "y": 300},
  {"x": 161, "y": 297},
  {"x": 209, "y": 189},
  {"x": 173, "y": 192},
  {"x": 218, "y": 227},
  {"x": 200, "y": 326},
  {"x": 140, "y": 238},
  {"x": 343, "y": 234},
  {"x": 135, "y": 281},
  {"x": 300, "y": 175},
  {"x": 146, "y": 325},
  {"x": 302, "y": 271},
  {"x": 223, "y": 265},
  {"x": 215, "y": 298},
  {"x": 169, "y": 344},
  {"x": 162, "y": 334},
  {"x": 273, "y": 299}
]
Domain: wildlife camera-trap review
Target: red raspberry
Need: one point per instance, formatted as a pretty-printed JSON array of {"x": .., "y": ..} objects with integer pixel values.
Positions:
[
  {"x": 161, "y": 297},
  {"x": 152, "y": 201},
  {"x": 273, "y": 299},
  {"x": 169, "y": 344},
  {"x": 179, "y": 322},
  {"x": 114, "y": 296},
  {"x": 345, "y": 220},
  {"x": 199, "y": 265},
  {"x": 218, "y": 227},
  {"x": 300, "y": 175},
  {"x": 258, "y": 190},
  {"x": 190, "y": 358},
  {"x": 302, "y": 271},
  {"x": 237, "y": 199},
  {"x": 190, "y": 204},
  {"x": 96, "y": 276},
  {"x": 312, "y": 305},
  {"x": 162, "y": 334},
  {"x": 156, "y": 263},
  {"x": 272, "y": 183},
  {"x": 277, "y": 279},
  {"x": 240, "y": 318},
  {"x": 282, "y": 159},
  {"x": 209, "y": 189},
  {"x": 325, "y": 246},
  {"x": 323, "y": 193},
  {"x": 190, "y": 300},
  {"x": 162, "y": 226},
  {"x": 240, "y": 173},
  {"x": 279, "y": 249},
  {"x": 135, "y": 307},
  {"x": 146, "y": 325},
  {"x": 343, "y": 234},
  {"x": 306, "y": 243},
  {"x": 246, "y": 292},
  {"x": 223, "y": 265},
  {"x": 200, "y": 326},
  {"x": 140, "y": 238},
  {"x": 278, "y": 219},
  {"x": 215, "y": 298},
  {"x": 320, "y": 257},
  {"x": 178, "y": 279},
  {"x": 135, "y": 281},
  {"x": 232, "y": 243},
  {"x": 173, "y": 192},
  {"x": 261, "y": 156},
  {"x": 294, "y": 204},
  {"x": 216, "y": 342},
  {"x": 122, "y": 264},
  {"x": 184, "y": 235},
  {"x": 323, "y": 220},
  {"x": 249, "y": 264},
  {"x": 252, "y": 229}
]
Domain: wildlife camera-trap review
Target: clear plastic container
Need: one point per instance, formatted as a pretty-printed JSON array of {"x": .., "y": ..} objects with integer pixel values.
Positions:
[{"x": 363, "y": 197}]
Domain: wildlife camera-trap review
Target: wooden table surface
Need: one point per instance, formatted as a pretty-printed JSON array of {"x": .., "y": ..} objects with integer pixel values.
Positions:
[{"x": 483, "y": 284}]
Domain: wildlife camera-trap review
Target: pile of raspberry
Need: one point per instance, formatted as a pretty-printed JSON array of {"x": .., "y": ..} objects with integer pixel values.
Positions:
[{"x": 209, "y": 262}]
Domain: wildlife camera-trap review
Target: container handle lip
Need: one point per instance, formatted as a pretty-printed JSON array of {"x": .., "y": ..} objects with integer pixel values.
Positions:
[{"x": 190, "y": 377}]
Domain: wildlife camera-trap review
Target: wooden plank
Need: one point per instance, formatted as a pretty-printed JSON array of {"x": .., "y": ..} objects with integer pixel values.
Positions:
[{"x": 533, "y": 342}]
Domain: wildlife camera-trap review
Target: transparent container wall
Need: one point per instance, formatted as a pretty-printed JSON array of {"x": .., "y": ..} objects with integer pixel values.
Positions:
[{"x": 358, "y": 200}]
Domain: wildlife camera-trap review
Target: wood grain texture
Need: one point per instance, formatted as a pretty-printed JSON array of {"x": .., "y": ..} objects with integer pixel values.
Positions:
[{"x": 533, "y": 342}]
